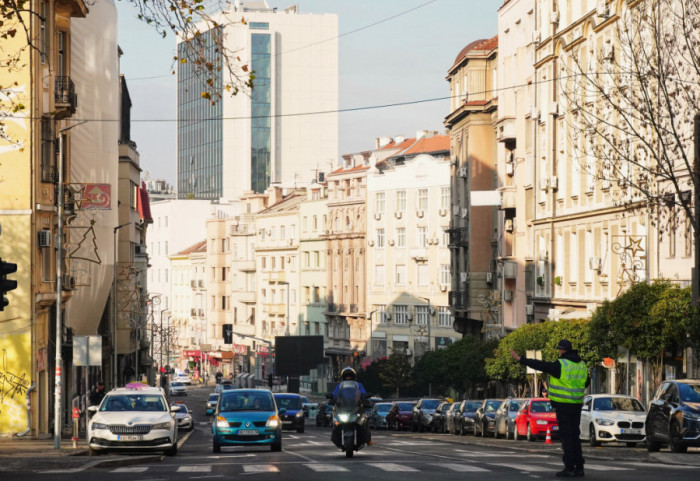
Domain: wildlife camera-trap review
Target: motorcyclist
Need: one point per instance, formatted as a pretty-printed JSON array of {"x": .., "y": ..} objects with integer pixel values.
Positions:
[{"x": 349, "y": 374}]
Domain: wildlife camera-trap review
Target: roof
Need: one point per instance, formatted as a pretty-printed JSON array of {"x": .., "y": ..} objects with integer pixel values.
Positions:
[
  {"x": 484, "y": 44},
  {"x": 290, "y": 202},
  {"x": 200, "y": 246},
  {"x": 393, "y": 145},
  {"x": 436, "y": 143}
]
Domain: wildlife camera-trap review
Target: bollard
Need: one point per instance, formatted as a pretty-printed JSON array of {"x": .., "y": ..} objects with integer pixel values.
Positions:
[{"x": 76, "y": 420}]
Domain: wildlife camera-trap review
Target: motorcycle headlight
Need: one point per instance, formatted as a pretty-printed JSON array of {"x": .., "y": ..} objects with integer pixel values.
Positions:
[
  {"x": 165, "y": 425},
  {"x": 272, "y": 422},
  {"x": 604, "y": 422},
  {"x": 344, "y": 417},
  {"x": 96, "y": 426},
  {"x": 221, "y": 422}
]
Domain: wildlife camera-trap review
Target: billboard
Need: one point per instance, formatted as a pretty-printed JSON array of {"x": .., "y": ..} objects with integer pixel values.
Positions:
[{"x": 297, "y": 355}]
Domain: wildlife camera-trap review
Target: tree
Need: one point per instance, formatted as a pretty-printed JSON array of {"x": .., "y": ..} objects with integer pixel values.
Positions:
[
  {"x": 632, "y": 94},
  {"x": 397, "y": 373}
]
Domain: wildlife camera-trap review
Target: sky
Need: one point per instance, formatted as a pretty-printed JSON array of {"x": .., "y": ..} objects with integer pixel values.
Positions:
[{"x": 400, "y": 59}]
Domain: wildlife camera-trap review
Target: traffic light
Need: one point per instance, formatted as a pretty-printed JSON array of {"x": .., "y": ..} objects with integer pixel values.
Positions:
[{"x": 6, "y": 284}]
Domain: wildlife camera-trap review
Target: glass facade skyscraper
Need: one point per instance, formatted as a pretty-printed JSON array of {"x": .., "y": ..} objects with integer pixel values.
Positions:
[
  {"x": 199, "y": 130},
  {"x": 260, "y": 142}
]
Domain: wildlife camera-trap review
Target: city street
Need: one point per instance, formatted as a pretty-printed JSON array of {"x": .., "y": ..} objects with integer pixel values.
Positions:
[{"x": 394, "y": 456}]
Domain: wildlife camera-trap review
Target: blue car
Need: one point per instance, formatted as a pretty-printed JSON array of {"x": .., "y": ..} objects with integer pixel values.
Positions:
[
  {"x": 293, "y": 417},
  {"x": 246, "y": 417}
]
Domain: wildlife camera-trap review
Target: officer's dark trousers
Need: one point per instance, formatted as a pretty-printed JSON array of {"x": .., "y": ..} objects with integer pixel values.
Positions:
[{"x": 568, "y": 418}]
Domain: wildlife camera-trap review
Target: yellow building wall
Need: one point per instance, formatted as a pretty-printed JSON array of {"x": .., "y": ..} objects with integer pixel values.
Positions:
[{"x": 15, "y": 243}]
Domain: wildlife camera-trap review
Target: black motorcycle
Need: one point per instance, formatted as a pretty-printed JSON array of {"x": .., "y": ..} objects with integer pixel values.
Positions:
[{"x": 350, "y": 429}]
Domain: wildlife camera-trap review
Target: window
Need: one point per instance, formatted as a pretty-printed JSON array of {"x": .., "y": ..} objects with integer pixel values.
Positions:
[
  {"x": 401, "y": 314},
  {"x": 400, "y": 274},
  {"x": 43, "y": 37},
  {"x": 223, "y": 303},
  {"x": 444, "y": 198},
  {"x": 273, "y": 262},
  {"x": 445, "y": 241},
  {"x": 380, "y": 237},
  {"x": 379, "y": 274},
  {"x": 317, "y": 294},
  {"x": 422, "y": 315},
  {"x": 315, "y": 223},
  {"x": 423, "y": 236},
  {"x": 400, "y": 201},
  {"x": 307, "y": 294},
  {"x": 401, "y": 236},
  {"x": 445, "y": 274},
  {"x": 263, "y": 262},
  {"x": 422, "y": 199},
  {"x": 317, "y": 259},
  {"x": 380, "y": 202},
  {"x": 444, "y": 317},
  {"x": 422, "y": 275},
  {"x": 305, "y": 224},
  {"x": 306, "y": 259},
  {"x": 223, "y": 274},
  {"x": 283, "y": 232}
]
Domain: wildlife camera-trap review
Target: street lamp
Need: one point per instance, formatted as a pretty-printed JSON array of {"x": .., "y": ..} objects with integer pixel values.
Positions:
[
  {"x": 371, "y": 326},
  {"x": 114, "y": 306},
  {"x": 285, "y": 283},
  {"x": 58, "y": 408},
  {"x": 160, "y": 363},
  {"x": 429, "y": 316}
]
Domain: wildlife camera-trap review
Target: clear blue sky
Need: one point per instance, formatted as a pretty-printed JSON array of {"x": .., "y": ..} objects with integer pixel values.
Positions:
[{"x": 400, "y": 60}]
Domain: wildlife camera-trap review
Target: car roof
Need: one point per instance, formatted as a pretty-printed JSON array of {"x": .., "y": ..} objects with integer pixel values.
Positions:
[
  {"x": 141, "y": 389},
  {"x": 597, "y": 396},
  {"x": 286, "y": 394}
]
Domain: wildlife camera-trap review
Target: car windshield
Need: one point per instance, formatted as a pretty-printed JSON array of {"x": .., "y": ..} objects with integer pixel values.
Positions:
[
  {"x": 288, "y": 402},
  {"x": 617, "y": 404},
  {"x": 232, "y": 401},
  {"x": 183, "y": 409},
  {"x": 405, "y": 406},
  {"x": 213, "y": 397},
  {"x": 430, "y": 404},
  {"x": 133, "y": 402},
  {"x": 176, "y": 384},
  {"x": 304, "y": 400},
  {"x": 515, "y": 404},
  {"x": 689, "y": 392},
  {"x": 383, "y": 408},
  {"x": 492, "y": 406},
  {"x": 541, "y": 407},
  {"x": 471, "y": 406}
]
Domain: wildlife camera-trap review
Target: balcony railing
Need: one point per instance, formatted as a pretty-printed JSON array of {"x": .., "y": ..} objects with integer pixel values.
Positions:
[
  {"x": 200, "y": 283},
  {"x": 193, "y": 284},
  {"x": 332, "y": 307},
  {"x": 459, "y": 299},
  {"x": 65, "y": 97},
  {"x": 459, "y": 237},
  {"x": 193, "y": 312}
]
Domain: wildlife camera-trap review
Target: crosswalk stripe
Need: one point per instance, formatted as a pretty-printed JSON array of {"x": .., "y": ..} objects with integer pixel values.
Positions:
[
  {"x": 461, "y": 468},
  {"x": 197, "y": 468},
  {"x": 260, "y": 468},
  {"x": 131, "y": 469},
  {"x": 326, "y": 468},
  {"x": 522, "y": 467},
  {"x": 392, "y": 467}
]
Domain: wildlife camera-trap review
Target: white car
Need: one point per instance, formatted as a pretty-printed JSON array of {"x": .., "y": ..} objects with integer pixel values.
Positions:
[
  {"x": 612, "y": 418},
  {"x": 183, "y": 378},
  {"x": 183, "y": 417},
  {"x": 133, "y": 418},
  {"x": 176, "y": 388}
]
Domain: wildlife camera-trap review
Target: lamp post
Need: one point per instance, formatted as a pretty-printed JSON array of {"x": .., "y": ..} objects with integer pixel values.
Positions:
[
  {"x": 429, "y": 316},
  {"x": 58, "y": 408},
  {"x": 160, "y": 363},
  {"x": 114, "y": 307},
  {"x": 369, "y": 318},
  {"x": 285, "y": 283}
]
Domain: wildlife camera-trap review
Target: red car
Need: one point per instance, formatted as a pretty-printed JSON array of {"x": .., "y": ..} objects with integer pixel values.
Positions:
[
  {"x": 400, "y": 415},
  {"x": 534, "y": 417}
]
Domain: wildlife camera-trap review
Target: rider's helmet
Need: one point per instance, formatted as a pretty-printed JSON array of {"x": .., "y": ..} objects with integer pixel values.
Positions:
[{"x": 348, "y": 374}]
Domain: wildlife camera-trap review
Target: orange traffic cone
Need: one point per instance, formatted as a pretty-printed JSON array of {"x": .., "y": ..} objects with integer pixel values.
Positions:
[{"x": 548, "y": 439}]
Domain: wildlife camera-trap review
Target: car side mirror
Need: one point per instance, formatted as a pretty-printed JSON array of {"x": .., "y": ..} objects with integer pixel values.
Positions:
[
  {"x": 175, "y": 409},
  {"x": 93, "y": 409},
  {"x": 282, "y": 410}
]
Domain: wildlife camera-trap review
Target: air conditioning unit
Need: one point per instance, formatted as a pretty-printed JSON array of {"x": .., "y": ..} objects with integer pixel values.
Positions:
[
  {"x": 419, "y": 213},
  {"x": 409, "y": 317},
  {"x": 554, "y": 182},
  {"x": 386, "y": 316},
  {"x": 535, "y": 113},
  {"x": 608, "y": 51},
  {"x": 529, "y": 309},
  {"x": 409, "y": 352},
  {"x": 489, "y": 277},
  {"x": 595, "y": 263},
  {"x": 370, "y": 242},
  {"x": 508, "y": 226},
  {"x": 465, "y": 212},
  {"x": 68, "y": 282},
  {"x": 603, "y": 9},
  {"x": 510, "y": 168},
  {"x": 554, "y": 108},
  {"x": 463, "y": 277},
  {"x": 453, "y": 159},
  {"x": 508, "y": 295},
  {"x": 443, "y": 288},
  {"x": 544, "y": 183},
  {"x": 44, "y": 238},
  {"x": 463, "y": 172},
  {"x": 554, "y": 17},
  {"x": 536, "y": 37}
]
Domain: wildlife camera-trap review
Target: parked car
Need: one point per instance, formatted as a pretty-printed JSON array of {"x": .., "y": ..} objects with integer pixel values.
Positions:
[
  {"x": 377, "y": 416},
  {"x": 183, "y": 417},
  {"x": 438, "y": 423},
  {"x": 400, "y": 414},
  {"x": 247, "y": 417},
  {"x": 293, "y": 418},
  {"x": 324, "y": 415},
  {"x": 534, "y": 418},
  {"x": 133, "y": 418},
  {"x": 449, "y": 414},
  {"x": 184, "y": 378},
  {"x": 212, "y": 400},
  {"x": 485, "y": 417},
  {"x": 674, "y": 416},
  {"x": 505, "y": 417},
  {"x": 176, "y": 388},
  {"x": 464, "y": 418},
  {"x": 612, "y": 417},
  {"x": 423, "y": 412}
]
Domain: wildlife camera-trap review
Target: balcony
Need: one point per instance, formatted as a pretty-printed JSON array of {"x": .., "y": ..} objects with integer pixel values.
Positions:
[
  {"x": 459, "y": 299},
  {"x": 248, "y": 297},
  {"x": 332, "y": 307},
  {"x": 245, "y": 266},
  {"x": 459, "y": 237},
  {"x": 278, "y": 277},
  {"x": 65, "y": 98}
]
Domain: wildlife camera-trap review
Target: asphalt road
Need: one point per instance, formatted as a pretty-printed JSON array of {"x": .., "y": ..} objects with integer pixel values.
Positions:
[{"x": 396, "y": 457}]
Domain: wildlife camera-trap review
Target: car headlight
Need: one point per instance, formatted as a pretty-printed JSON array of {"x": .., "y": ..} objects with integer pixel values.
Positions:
[
  {"x": 604, "y": 422},
  {"x": 221, "y": 422},
  {"x": 96, "y": 426},
  {"x": 541, "y": 422},
  {"x": 693, "y": 416},
  {"x": 299, "y": 414},
  {"x": 165, "y": 425},
  {"x": 272, "y": 422}
]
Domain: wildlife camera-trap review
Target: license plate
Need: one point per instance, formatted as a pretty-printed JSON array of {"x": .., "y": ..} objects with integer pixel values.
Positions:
[
  {"x": 630, "y": 431},
  {"x": 248, "y": 432},
  {"x": 286, "y": 422},
  {"x": 133, "y": 437},
  {"x": 555, "y": 428}
]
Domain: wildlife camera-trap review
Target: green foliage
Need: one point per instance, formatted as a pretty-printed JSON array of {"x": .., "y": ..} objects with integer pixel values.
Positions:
[
  {"x": 396, "y": 373},
  {"x": 370, "y": 377}
]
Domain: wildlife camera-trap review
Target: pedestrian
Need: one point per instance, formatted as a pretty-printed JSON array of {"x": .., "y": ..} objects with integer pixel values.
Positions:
[
  {"x": 97, "y": 393},
  {"x": 567, "y": 383}
]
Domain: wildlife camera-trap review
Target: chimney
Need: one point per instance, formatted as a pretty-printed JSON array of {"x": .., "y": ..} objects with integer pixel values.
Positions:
[
  {"x": 382, "y": 142},
  {"x": 399, "y": 139}
]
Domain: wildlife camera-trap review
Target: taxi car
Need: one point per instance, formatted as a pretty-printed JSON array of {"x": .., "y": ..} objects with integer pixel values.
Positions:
[
  {"x": 133, "y": 418},
  {"x": 246, "y": 417}
]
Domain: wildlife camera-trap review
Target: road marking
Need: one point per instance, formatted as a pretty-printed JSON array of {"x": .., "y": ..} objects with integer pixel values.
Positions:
[
  {"x": 131, "y": 469},
  {"x": 392, "y": 467},
  {"x": 461, "y": 468},
  {"x": 522, "y": 467},
  {"x": 260, "y": 468},
  {"x": 326, "y": 468},
  {"x": 196, "y": 468}
]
